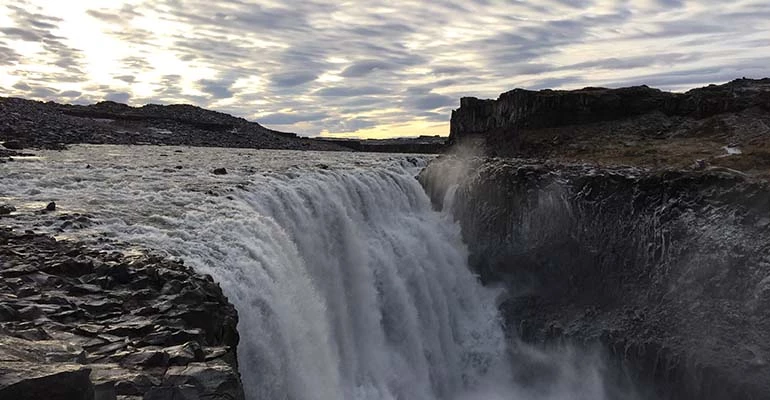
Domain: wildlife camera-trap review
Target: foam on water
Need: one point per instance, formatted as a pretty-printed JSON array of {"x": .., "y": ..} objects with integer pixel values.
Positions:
[{"x": 347, "y": 283}]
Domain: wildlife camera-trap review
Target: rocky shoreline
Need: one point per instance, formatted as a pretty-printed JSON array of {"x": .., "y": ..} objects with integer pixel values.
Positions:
[{"x": 79, "y": 323}]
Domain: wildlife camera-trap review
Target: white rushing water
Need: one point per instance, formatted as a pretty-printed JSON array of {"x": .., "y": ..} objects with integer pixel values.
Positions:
[{"x": 347, "y": 283}]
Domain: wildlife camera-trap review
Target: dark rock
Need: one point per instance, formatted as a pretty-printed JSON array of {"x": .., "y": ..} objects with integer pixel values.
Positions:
[
  {"x": 53, "y": 316},
  {"x": 6, "y": 209},
  {"x": 545, "y": 123},
  {"x": 185, "y": 353},
  {"x": 51, "y": 206},
  {"x": 219, "y": 171},
  {"x": 666, "y": 269},
  {"x": 24, "y": 381},
  {"x": 13, "y": 145},
  {"x": 145, "y": 358},
  {"x": 8, "y": 313}
]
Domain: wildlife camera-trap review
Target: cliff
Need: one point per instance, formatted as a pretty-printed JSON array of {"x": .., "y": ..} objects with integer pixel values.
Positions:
[
  {"x": 666, "y": 269},
  {"x": 636, "y": 125}
]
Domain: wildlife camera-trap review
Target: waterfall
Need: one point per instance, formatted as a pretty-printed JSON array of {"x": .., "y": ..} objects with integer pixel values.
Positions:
[{"x": 348, "y": 286}]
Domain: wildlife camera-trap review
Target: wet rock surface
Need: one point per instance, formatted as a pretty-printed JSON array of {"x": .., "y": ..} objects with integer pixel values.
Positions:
[
  {"x": 668, "y": 269},
  {"x": 77, "y": 323}
]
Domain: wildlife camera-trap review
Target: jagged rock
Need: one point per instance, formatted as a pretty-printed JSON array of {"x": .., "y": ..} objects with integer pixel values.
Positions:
[
  {"x": 32, "y": 381},
  {"x": 144, "y": 358},
  {"x": 219, "y": 171},
  {"x": 185, "y": 353},
  {"x": 6, "y": 209},
  {"x": 52, "y": 315},
  {"x": 51, "y": 206}
]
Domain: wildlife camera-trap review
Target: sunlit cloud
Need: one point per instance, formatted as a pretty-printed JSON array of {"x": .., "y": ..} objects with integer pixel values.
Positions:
[{"x": 368, "y": 69}]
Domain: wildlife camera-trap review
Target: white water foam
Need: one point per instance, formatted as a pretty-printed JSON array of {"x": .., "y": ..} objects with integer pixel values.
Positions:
[{"x": 347, "y": 283}]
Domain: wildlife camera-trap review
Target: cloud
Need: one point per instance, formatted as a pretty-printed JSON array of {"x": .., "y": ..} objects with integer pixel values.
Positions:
[
  {"x": 363, "y": 68},
  {"x": 217, "y": 89},
  {"x": 291, "y": 118},
  {"x": 350, "y": 91},
  {"x": 289, "y": 79},
  {"x": 118, "y": 97},
  {"x": 433, "y": 101},
  {"x": 384, "y": 64}
]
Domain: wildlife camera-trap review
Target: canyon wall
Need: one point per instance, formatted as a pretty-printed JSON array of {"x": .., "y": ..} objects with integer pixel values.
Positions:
[{"x": 669, "y": 270}]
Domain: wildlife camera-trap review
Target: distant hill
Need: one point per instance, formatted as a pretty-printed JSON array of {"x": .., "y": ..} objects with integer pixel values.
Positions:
[{"x": 28, "y": 123}]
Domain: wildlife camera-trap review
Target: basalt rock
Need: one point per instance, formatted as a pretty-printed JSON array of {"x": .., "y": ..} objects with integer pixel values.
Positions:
[
  {"x": 667, "y": 269},
  {"x": 619, "y": 124},
  {"x": 77, "y": 323}
]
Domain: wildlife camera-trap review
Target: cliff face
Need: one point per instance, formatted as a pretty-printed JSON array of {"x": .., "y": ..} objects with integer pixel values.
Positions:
[
  {"x": 521, "y": 108},
  {"x": 669, "y": 270},
  {"x": 624, "y": 126}
]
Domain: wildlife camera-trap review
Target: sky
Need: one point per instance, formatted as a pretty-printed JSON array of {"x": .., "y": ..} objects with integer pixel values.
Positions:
[{"x": 379, "y": 68}]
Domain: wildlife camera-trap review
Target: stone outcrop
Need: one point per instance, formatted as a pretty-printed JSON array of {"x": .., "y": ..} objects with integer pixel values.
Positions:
[
  {"x": 521, "y": 108},
  {"x": 27, "y": 123},
  {"x": 628, "y": 126},
  {"x": 668, "y": 269},
  {"x": 84, "y": 324}
]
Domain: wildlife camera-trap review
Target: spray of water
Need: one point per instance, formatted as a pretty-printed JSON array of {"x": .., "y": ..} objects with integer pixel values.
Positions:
[{"x": 348, "y": 284}]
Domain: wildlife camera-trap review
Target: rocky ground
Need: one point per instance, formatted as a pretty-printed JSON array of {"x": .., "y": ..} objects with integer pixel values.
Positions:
[
  {"x": 719, "y": 125},
  {"x": 34, "y": 124},
  {"x": 80, "y": 323}
]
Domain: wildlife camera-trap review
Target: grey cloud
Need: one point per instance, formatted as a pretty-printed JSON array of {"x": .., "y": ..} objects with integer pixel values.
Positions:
[
  {"x": 363, "y": 68},
  {"x": 432, "y": 101},
  {"x": 43, "y": 93},
  {"x": 350, "y": 91},
  {"x": 70, "y": 93},
  {"x": 568, "y": 82},
  {"x": 291, "y": 118},
  {"x": 290, "y": 79},
  {"x": 533, "y": 45},
  {"x": 30, "y": 36},
  {"x": 351, "y": 124},
  {"x": 126, "y": 78},
  {"x": 21, "y": 86},
  {"x": 118, "y": 97},
  {"x": 217, "y": 89},
  {"x": 122, "y": 16}
]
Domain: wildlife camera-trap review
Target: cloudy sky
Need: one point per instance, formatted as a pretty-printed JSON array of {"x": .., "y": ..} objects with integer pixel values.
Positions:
[{"x": 367, "y": 68}]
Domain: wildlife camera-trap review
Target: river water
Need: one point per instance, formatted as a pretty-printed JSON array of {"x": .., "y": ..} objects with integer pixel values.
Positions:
[{"x": 347, "y": 283}]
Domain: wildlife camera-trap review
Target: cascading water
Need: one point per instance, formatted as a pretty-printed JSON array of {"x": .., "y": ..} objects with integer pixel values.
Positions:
[{"x": 348, "y": 284}]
